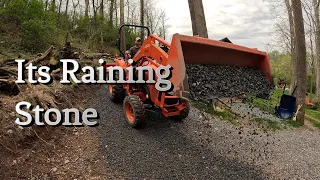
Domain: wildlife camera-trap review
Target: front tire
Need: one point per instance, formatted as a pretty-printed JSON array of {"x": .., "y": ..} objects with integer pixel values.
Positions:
[
  {"x": 183, "y": 114},
  {"x": 116, "y": 93},
  {"x": 134, "y": 110}
]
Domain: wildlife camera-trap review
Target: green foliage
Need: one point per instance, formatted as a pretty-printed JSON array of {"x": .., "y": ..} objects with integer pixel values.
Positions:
[
  {"x": 131, "y": 38},
  {"x": 36, "y": 28},
  {"x": 38, "y": 34},
  {"x": 281, "y": 65},
  {"x": 23, "y": 10},
  {"x": 53, "y": 6},
  {"x": 90, "y": 29},
  {"x": 82, "y": 29},
  {"x": 14, "y": 11},
  {"x": 291, "y": 123},
  {"x": 313, "y": 113},
  {"x": 309, "y": 78}
]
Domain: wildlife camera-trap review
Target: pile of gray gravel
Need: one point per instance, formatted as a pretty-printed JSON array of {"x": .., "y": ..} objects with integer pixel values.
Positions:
[{"x": 211, "y": 81}]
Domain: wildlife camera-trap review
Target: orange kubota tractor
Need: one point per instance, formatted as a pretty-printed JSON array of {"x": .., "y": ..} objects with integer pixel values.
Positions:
[{"x": 182, "y": 50}]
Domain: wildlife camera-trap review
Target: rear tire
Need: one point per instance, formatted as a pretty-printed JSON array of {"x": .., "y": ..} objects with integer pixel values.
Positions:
[
  {"x": 183, "y": 114},
  {"x": 116, "y": 93},
  {"x": 134, "y": 110}
]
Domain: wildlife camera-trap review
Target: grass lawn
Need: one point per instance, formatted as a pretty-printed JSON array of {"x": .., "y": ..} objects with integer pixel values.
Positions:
[
  {"x": 224, "y": 115},
  {"x": 267, "y": 105},
  {"x": 315, "y": 114},
  {"x": 315, "y": 123}
]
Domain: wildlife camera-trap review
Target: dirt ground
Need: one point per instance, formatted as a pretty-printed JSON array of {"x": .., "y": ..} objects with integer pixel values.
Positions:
[{"x": 53, "y": 153}]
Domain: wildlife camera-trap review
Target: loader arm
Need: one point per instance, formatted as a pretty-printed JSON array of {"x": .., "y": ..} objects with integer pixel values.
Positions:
[{"x": 150, "y": 48}]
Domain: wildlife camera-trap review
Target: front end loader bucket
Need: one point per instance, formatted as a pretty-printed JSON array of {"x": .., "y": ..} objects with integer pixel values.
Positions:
[{"x": 196, "y": 50}]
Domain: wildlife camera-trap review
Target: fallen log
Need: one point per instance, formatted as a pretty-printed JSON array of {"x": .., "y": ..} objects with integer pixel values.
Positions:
[
  {"x": 42, "y": 57},
  {"x": 6, "y": 72},
  {"x": 219, "y": 102},
  {"x": 56, "y": 77},
  {"x": 96, "y": 55},
  {"x": 8, "y": 62},
  {"x": 4, "y": 81},
  {"x": 56, "y": 71},
  {"x": 56, "y": 74},
  {"x": 4, "y": 77}
]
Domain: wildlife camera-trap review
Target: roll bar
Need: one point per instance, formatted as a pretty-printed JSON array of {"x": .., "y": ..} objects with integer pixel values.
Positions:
[{"x": 129, "y": 25}]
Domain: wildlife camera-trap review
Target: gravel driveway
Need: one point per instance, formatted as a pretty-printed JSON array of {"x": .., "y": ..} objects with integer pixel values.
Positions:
[{"x": 202, "y": 147}]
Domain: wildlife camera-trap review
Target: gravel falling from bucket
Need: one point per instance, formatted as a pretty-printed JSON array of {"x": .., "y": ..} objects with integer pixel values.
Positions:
[{"x": 210, "y": 81}]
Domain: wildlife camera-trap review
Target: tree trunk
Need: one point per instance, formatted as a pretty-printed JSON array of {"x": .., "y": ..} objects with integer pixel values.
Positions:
[
  {"x": 148, "y": 18},
  {"x": 67, "y": 6},
  {"x": 312, "y": 68},
  {"x": 102, "y": 21},
  {"x": 293, "y": 57},
  {"x": 94, "y": 11},
  {"x": 123, "y": 38},
  {"x": 142, "y": 18},
  {"x": 311, "y": 84},
  {"x": 116, "y": 8},
  {"x": 128, "y": 15},
  {"x": 74, "y": 12},
  {"x": 121, "y": 12},
  {"x": 132, "y": 20},
  {"x": 102, "y": 9},
  {"x": 53, "y": 6},
  {"x": 164, "y": 26},
  {"x": 111, "y": 12},
  {"x": 198, "y": 20},
  {"x": 59, "y": 10},
  {"x": 317, "y": 45},
  {"x": 301, "y": 65},
  {"x": 46, "y": 8},
  {"x": 86, "y": 13}
]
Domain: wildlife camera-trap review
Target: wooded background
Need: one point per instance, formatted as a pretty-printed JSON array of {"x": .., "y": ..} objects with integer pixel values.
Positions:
[{"x": 34, "y": 25}]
